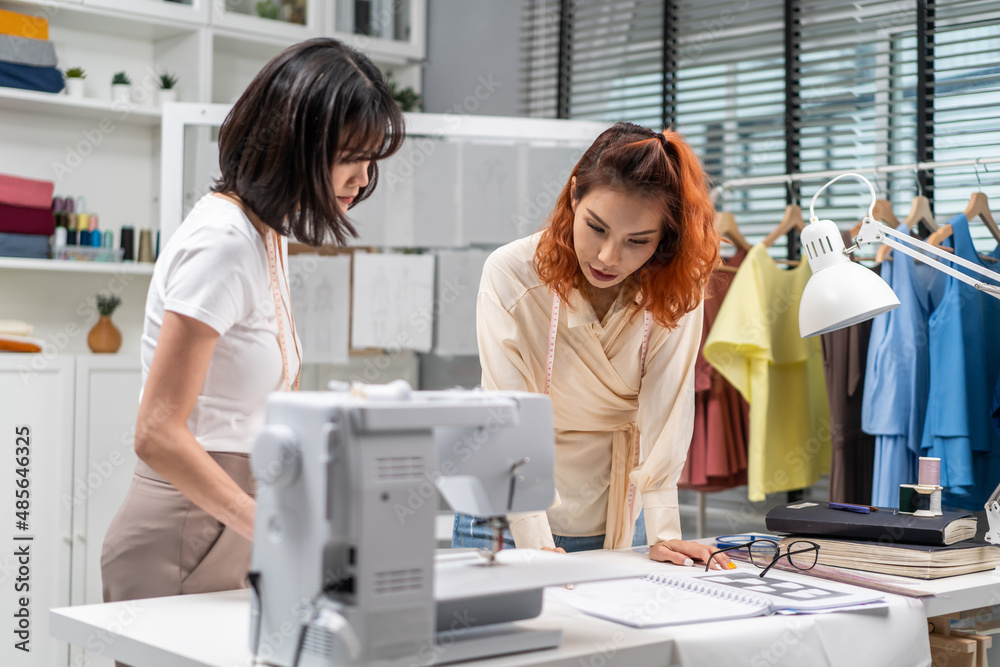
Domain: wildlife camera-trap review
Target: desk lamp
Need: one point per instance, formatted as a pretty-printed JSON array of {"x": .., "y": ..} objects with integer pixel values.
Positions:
[{"x": 840, "y": 292}]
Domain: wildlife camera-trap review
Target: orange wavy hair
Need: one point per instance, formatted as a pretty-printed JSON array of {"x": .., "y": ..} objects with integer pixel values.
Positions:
[{"x": 657, "y": 166}]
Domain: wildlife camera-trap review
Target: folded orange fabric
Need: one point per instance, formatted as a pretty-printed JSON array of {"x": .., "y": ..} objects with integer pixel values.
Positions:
[
  {"x": 23, "y": 25},
  {"x": 10, "y": 345}
]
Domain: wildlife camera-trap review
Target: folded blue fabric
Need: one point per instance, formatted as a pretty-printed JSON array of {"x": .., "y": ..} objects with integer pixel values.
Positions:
[
  {"x": 24, "y": 51},
  {"x": 33, "y": 246},
  {"x": 44, "y": 79}
]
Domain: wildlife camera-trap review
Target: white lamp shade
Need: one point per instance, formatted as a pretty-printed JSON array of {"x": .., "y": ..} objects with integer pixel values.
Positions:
[
  {"x": 840, "y": 296},
  {"x": 839, "y": 293}
]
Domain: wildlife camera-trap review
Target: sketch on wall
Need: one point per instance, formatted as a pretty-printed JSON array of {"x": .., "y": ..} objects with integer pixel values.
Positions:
[
  {"x": 393, "y": 304},
  {"x": 321, "y": 296},
  {"x": 548, "y": 170},
  {"x": 489, "y": 193},
  {"x": 458, "y": 276}
]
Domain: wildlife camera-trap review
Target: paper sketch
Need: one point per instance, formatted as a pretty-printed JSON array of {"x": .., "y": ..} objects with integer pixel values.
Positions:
[
  {"x": 458, "y": 276},
  {"x": 321, "y": 293},
  {"x": 393, "y": 304},
  {"x": 489, "y": 193},
  {"x": 435, "y": 198},
  {"x": 548, "y": 171}
]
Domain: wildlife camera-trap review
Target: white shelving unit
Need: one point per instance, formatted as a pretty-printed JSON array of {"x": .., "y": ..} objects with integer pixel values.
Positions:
[
  {"x": 111, "y": 154},
  {"x": 111, "y": 268}
]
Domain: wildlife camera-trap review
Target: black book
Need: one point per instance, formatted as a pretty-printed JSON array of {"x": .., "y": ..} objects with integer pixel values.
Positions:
[{"x": 886, "y": 526}]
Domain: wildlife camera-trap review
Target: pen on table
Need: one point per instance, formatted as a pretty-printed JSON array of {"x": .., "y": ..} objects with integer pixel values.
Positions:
[{"x": 849, "y": 507}]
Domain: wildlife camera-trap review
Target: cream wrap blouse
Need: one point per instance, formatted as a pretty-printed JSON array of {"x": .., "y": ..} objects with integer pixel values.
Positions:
[{"x": 599, "y": 407}]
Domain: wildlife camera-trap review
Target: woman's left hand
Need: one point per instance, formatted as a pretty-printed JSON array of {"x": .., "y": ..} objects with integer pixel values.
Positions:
[{"x": 681, "y": 552}]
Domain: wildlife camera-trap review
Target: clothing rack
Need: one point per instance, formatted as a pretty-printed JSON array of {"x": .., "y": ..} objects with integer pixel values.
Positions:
[
  {"x": 701, "y": 508},
  {"x": 818, "y": 175}
]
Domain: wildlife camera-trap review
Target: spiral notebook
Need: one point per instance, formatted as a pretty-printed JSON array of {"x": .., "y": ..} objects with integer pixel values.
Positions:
[{"x": 659, "y": 600}]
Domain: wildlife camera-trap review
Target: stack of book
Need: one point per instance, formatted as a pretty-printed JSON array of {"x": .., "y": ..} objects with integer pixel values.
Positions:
[{"x": 886, "y": 541}]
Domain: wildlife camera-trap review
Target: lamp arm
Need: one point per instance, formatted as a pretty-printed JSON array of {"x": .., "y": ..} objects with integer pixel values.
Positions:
[{"x": 873, "y": 231}]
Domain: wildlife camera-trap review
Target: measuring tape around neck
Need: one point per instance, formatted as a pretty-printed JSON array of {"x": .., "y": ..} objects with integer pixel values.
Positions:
[{"x": 274, "y": 255}]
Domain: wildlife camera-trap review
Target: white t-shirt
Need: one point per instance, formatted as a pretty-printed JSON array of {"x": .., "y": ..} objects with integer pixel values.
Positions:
[{"x": 214, "y": 269}]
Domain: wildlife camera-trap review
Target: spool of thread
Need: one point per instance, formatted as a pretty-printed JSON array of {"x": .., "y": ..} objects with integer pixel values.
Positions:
[
  {"x": 108, "y": 240},
  {"x": 92, "y": 222},
  {"x": 929, "y": 471},
  {"x": 59, "y": 239},
  {"x": 71, "y": 231},
  {"x": 57, "y": 211},
  {"x": 95, "y": 238},
  {"x": 84, "y": 237},
  {"x": 128, "y": 242},
  {"x": 81, "y": 204},
  {"x": 145, "y": 246},
  {"x": 83, "y": 222},
  {"x": 920, "y": 500},
  {"x": 68, "y": 205}
]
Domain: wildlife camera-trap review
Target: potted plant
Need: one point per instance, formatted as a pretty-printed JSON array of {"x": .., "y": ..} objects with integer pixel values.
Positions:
[
  {"x": 267, "y": 9},
  {"x": 74, "y": 81},
  {"x": 121, "y": 88},
  {"x": 105, "y": 338},
  {"x": 168, "y": 88}
]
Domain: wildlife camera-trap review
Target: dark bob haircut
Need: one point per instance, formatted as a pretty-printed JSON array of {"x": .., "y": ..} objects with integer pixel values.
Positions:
[{"x": 315, "y": 104}]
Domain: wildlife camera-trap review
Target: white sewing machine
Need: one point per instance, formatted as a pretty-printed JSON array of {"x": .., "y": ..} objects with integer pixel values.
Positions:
[{"x": 343, "y": 567}]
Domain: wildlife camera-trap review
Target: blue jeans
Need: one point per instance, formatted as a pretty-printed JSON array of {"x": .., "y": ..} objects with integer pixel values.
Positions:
[{"x": 467, "y": 533}]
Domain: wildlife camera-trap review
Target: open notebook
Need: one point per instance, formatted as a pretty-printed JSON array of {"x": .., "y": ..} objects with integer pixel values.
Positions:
[{"x": 662, "y": 599}]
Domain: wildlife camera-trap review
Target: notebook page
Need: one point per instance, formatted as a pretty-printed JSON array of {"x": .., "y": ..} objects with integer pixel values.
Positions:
[{"x": 651, "y": 603}]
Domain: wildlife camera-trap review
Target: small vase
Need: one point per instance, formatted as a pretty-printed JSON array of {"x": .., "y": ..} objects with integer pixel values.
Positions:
[
  {"x": 75, "y": 87},
  {"x": 121, "y": 93},
  {"x": 164, "y": 96},
  {"x": 104, "y": 338}
]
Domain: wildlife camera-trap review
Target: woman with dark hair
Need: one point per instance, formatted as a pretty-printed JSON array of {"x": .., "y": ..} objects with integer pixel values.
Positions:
[
  {"x": 298, "y": 149},
  {"x": 602, "y": 311}
]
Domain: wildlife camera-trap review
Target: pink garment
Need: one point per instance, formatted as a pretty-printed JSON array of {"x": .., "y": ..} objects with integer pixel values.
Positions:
[
  {"x": 27, "y": 192},
  {"x": 23, "y": 220},
  {"x": 717, "y": 458}
]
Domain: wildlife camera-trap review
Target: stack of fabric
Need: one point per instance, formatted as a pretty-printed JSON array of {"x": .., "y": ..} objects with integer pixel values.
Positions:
[
  {"x": 26, "y": 219},
  {"x": 27, "y": 58},
  {"x": 14, "y": 337}
]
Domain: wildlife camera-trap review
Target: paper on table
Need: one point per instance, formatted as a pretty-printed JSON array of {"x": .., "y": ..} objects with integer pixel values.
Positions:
[
  {"x": 321, "y": 297},
  {"x": 393, "y": 301},
  {"x": 642, "y": 603},
  {"x": 459, "y": 273}
]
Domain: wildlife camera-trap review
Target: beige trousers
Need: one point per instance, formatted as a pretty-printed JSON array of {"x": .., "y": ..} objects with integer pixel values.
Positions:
[{"x": 160, "y": 543}]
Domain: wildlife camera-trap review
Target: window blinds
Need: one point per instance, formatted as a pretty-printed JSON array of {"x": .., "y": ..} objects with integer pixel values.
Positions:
[{"x": 854, "y": 100}]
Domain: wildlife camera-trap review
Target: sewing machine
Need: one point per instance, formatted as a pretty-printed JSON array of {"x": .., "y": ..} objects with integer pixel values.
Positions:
[{"x": 343, "y": 567}]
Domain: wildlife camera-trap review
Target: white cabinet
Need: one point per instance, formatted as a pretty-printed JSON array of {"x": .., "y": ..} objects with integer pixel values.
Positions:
[
  {"x": 36, "y": 413},
  {"x": 80, "y": 414},
  {"x": 106, "y": 404}
]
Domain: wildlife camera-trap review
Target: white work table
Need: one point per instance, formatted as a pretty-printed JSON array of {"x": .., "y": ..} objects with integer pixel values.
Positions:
[{"x": 211, "y": 630}]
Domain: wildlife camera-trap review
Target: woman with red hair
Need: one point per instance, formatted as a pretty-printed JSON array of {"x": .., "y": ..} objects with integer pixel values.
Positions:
[{"x": 602, "y": 311}]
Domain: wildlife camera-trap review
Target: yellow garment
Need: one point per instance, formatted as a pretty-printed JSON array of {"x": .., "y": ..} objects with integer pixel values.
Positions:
[
  {"x": 755, "y": 344},
  {"x": 597, "y": 403},
  {"x": 23, "y": 25}
]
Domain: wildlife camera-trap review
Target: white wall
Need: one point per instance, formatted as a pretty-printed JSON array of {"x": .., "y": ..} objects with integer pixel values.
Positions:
[{"x": 470, "y": 42}]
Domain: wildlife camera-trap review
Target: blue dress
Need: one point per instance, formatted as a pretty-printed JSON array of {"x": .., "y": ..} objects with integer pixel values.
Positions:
[
  {"x": 897, "y": 375},
  {"x": 964, "y": 364}
]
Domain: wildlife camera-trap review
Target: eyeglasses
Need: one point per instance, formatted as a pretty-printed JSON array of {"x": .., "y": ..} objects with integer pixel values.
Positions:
[{"x": 766, "y": 553}]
